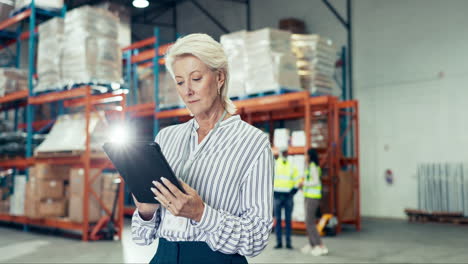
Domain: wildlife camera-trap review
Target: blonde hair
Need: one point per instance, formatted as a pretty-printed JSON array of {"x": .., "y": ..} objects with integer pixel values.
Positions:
[{"x": 210, "y": 52}]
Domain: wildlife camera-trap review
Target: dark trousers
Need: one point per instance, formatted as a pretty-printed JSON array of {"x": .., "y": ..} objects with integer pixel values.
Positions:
[
  {"x": 192, "y": 252},
  {"x": 283, "y": 201}
]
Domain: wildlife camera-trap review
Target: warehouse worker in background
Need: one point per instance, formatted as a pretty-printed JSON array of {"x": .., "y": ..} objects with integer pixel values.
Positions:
[
  {"x": 312, "y": 189},
  {"x": 286, "y": 184}
]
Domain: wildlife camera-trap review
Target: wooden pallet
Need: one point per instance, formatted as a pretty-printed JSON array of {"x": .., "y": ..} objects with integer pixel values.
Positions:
[{"x": 441, "y": 217}]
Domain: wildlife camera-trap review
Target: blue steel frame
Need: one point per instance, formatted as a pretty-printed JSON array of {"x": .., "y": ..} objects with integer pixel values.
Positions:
[{"x": 32, "y": 19}]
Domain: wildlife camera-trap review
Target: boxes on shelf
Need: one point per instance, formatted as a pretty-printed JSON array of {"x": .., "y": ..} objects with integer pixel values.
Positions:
[
  {"x": 77, "y": 181},
  {"x": 43, "y": 171},
  {"x": 68, "y": 134},
  {"x": 346, "y": 195},
  {"x": 298, "y": 138},
  {"x": 52, "y": 208},
  {"x": 75, "y": 209},
  {"x": 12, "y": 80},
  {"x": 90, "y": 50},
  {"x": 18, "y": 197},
  {"x": 319, "y": 134},
  {"x": 5, "y": 206},
  {"x": 48, "y": 55},
  {"x": 110, "y": 181},
  {"x": 281, "y": 138},
  {"x": 44, "y": 4},
  {"x": 316, "y": 57},
  {"x": 168, "y": 96},
  {"x": 234, "y": 45},
  {"x": 292, "y": 25},
  {"x": 271, "y": 65}
]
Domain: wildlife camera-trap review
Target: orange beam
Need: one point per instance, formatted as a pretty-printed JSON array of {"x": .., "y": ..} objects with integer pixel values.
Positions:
[
  {"x": 57, "y": 96},
  {"x": 145, "y": 55},
  {"x": 140, "y": 44},
  {"x": 95, "y": 99},
  {"x": 140, "y": 107},
  {"x": 16, "y": 163},
  {"x": 128, "y": 210},
  {"x": 172, "y": 113},
  {"x": 13, "y": 20},
  {"x": 14, "y": 96},
  {"x": 347, "y": 104},
  {"x": 36, "y": 125}
]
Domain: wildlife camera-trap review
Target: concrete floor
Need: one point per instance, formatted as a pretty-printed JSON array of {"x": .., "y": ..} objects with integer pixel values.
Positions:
[{"x": 380, "y": 241}]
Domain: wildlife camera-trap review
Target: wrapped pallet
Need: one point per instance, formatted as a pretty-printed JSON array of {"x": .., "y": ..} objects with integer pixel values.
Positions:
[
  {"x": 48, "y": 55},
  {"x": 234, "y": 45},
  {"x": 12, "y": 80},
  {"x": 270, "y": 64},
  {"x": 316, "y": 57},
  {"x": 44, "y": 4},
  {"x": 90, "y": 50},
  {"x": 168, "y": 96}
]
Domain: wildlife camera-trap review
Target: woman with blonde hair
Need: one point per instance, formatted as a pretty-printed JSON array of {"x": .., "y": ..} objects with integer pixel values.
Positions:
[{"x": 225, "y": 166}]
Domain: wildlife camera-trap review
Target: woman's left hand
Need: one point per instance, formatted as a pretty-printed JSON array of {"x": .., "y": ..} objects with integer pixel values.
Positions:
[{"x": 188, "y": 205}]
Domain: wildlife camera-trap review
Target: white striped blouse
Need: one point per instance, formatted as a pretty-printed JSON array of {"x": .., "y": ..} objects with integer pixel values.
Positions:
[{"x": 233, "y": 175}]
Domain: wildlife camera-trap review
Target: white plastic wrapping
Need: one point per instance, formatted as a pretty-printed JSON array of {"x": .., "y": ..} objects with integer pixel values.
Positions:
[
  {"x": 69, "y": 134},
  {"x": 168, "y": 95},
  {"x": 316, "y": 57},
  {"x": 90, "y": 51},
  {"x": 234, "y": 45},
  {"x": 12, "y": 80},
  {"x": 45, "y": 4},
  {"x": 48, "y": 55},
  {"x": 270, "y": 64}
]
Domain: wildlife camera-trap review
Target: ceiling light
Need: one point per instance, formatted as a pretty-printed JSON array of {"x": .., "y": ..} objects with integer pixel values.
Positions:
[{"x": 140, "y": 3}]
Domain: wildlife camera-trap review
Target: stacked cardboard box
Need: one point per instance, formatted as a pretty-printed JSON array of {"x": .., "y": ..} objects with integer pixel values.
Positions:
[
  {"x": 90, "y": 50},
  {"x": 75, "y": 209},
  {"x": 110, "y": 182},
  {"x": 45, "y": 195},
  {"x": 12, "y": 80},
  {"x": 316, "y": 57},
  {"x": 48, "y": 55}
]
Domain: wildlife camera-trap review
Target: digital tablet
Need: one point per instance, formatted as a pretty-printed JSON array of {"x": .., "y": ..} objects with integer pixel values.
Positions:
[{"x": 141, "y": 163}]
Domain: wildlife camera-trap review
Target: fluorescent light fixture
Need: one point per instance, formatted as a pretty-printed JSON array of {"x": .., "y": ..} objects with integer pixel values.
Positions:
[{"x": 140, "y": 3}]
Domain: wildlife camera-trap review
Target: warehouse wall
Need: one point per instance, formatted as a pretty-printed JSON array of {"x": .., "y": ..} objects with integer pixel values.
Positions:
[{"x": 409, "y": 71}]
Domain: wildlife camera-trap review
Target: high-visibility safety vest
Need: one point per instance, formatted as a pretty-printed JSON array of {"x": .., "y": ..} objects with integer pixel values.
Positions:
[
  {"x": 312, "y": 184},
  {"x": 286, "y": 176}
]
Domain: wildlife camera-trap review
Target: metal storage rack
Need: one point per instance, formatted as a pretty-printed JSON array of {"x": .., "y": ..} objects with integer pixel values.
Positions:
[{"x": 81, "y": 96}]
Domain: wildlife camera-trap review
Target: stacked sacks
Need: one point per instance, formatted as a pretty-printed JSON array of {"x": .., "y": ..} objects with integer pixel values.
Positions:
[
  {"x": 90, "y": 51},
  {"x": 316, "y": 57},
  {"x": 235, "y": 47},
  {"x": 271, "y": 65},
  {"x": 48, "y": 55}
]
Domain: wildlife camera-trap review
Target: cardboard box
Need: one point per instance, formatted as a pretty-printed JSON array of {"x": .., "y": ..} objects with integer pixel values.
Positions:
[
  {"x": 75, "y": 209},
  {"x": 50, "y": 189},
  {"x": 31, "y": 203},
  {"x": 52, "y": 208},
  {"x": 4, "y": 206},
  {"x": 109, "y": 181},
  {"x": 50, "y": 172},
  {"x": 108, "y": 197},
  {"x": 346, "y": 196},
  {"x": 77, "y": 181}
]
